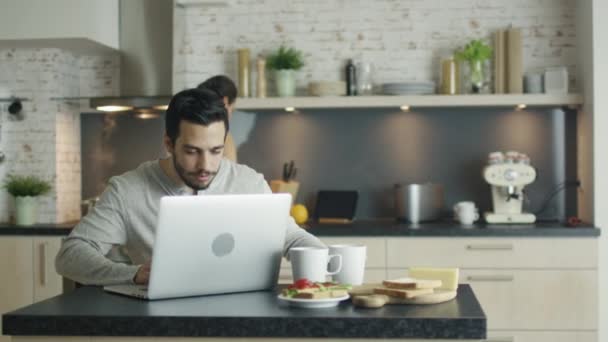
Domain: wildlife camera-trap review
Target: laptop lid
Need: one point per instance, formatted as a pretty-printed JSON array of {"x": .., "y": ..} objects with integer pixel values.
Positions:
[{"x": 218, "y": 244}]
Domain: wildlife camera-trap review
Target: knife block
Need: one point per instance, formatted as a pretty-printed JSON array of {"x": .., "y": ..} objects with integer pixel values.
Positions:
[{"x": 291, "y": 187}]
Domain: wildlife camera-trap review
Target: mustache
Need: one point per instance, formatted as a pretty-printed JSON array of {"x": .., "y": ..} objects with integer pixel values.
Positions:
[{"x": 203, "y": 173}]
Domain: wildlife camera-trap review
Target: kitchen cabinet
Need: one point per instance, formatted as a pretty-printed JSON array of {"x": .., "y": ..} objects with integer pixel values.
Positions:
[
  {"x": 27, "y": 271},
  {"x": 541, "y": 284},
  {"x": 79, "y": 26}
]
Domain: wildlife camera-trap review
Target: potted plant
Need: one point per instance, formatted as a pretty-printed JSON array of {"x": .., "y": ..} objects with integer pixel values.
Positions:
[
  {"x": 475, "y": 53},
  {"x": 26, "y": 189},
  {"x": 284, "y": 62}
]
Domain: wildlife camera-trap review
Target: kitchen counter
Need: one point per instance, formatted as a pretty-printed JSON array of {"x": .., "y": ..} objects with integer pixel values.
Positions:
[
  {"x": 379, "y": 228},
  {"x": 89, "y": 311},
  {"x": 40, "y": 229},
  {"x": 450, "y": 229}
]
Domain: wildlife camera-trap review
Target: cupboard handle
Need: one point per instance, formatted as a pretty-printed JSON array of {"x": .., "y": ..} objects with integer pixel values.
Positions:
[
  {"x": 491, "y": 278},
  {"x": 500, "y": 339},
  {"x": 490, "y": 247},
  {"x": 43, "y": 263}
]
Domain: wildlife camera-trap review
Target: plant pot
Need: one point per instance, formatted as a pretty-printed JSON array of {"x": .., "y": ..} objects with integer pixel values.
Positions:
[
  {"x": 26, "y": 210},
  {"x": 285, "y": 82}
]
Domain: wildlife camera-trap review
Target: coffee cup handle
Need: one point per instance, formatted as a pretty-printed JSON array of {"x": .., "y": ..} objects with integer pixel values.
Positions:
[
  {"x": 476, "y": 216},
  {"x": 339, "y": 263}
]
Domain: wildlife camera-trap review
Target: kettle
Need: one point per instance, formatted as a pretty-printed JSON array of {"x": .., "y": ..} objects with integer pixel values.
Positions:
[{"x": 418, "y": 202}]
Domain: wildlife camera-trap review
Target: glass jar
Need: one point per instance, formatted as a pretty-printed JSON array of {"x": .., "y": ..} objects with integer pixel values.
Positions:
[{"x": 364, "y": 78}]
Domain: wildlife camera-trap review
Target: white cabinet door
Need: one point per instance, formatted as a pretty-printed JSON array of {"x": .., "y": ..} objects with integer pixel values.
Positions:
[
  {"x": 47, "y": 282},
  {"x": 546, "y": 253},
  {"x": 536, "y": 299},
  {"x": 541, "y": 336},
  {"x": 15, "y": 273}
]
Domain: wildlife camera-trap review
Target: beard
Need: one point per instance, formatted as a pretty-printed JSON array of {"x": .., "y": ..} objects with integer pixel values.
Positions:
[{"x": 191, "y": 178}]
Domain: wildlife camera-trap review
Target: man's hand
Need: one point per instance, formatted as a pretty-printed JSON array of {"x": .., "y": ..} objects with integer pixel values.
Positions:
[{"x": 143, "y": 274}]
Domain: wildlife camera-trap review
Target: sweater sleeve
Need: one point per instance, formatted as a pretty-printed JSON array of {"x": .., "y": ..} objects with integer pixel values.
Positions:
[{"x": 82, "y": 256}]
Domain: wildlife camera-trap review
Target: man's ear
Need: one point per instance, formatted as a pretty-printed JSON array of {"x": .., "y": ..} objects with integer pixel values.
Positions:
[{"x": 168, "y": 144}]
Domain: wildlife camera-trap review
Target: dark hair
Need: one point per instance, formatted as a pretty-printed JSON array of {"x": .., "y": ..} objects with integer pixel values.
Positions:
[
  {"x": 222, "y": 85},
  {"x": 200, "y": 106}
]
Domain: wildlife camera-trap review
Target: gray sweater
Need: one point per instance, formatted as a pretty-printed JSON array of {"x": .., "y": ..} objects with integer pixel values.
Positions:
[{"x": 126, "y": 215}]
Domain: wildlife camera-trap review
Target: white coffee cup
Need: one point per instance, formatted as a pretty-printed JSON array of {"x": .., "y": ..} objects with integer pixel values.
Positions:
[
  {"x": 465, "y": 212},
  {"x": 353, "y": 263},
  {"x": 312, "y": 263}
]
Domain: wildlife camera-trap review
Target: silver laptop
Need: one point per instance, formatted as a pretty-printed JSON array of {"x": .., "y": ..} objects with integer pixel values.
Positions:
[{"x": 215, "y": 244}]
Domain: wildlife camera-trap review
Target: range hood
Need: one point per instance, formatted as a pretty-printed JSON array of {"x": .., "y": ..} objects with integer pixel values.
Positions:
[{"x": 146, "y": 57}]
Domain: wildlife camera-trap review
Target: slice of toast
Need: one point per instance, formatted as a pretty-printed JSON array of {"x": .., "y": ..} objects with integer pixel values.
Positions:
[
  {"x": 321, "y": 294},
  {"x": 402, "y": 293},
  {"x": 412, "y": 283}
]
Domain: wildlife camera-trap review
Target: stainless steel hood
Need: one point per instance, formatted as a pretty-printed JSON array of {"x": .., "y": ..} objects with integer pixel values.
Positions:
[{"x": 146, "y": 57}]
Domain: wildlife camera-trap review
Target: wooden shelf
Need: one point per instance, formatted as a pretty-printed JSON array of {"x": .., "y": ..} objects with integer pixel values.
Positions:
[{"x": 381, "y": 101}]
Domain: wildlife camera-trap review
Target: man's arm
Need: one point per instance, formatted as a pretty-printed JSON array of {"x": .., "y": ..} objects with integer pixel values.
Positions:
[{"x": 82, "y": 256}]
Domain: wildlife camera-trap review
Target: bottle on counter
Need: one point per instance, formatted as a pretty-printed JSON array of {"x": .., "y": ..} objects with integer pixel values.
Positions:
[{"x": 351, "y": 78}]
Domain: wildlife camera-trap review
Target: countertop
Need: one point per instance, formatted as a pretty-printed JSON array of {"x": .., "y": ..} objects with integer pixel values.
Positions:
[
  {"x": 44, "y": 229},
  {"x": 389, "y": 228},
  {"x": 89, "y": 311}
]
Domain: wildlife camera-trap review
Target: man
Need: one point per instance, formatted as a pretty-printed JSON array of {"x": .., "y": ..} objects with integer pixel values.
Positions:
[
  {"x": 126, "y": 214},
  {"x": 226, "y": 89}
]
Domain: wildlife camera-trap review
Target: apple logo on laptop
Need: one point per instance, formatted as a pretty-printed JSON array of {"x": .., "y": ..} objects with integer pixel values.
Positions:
[{"x": 223, "y": 244}]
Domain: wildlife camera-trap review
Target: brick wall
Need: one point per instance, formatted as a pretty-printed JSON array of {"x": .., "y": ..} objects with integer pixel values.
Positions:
[
  {"x": 46, "y": 141},
  {"x": 402, "y": 38}
]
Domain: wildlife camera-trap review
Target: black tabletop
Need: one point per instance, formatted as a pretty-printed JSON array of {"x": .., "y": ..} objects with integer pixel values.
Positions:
[{"x": 90, "y": 311}]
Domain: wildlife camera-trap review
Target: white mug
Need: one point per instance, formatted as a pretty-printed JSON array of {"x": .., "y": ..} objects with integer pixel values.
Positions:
[
  {"x": 312, "y": 263},
  {"x": 466, "y": 212},
  {"x": 353, "y": 263}
]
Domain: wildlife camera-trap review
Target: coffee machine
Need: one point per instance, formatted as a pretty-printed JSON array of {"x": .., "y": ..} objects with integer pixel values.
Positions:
[{"x": 508, "y": 174}]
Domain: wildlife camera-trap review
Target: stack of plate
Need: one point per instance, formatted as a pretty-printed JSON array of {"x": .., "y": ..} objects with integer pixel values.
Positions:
[{"x": 408, "y": 88}]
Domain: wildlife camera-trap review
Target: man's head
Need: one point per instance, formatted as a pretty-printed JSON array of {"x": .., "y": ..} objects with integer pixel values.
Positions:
[
  {"x": 224, "y": 87},
  {"x": 196, "y": 125}
]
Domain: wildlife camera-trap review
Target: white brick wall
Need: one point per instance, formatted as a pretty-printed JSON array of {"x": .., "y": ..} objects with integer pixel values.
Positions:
[
  {"x": 403, "y": 38},
  {"x": 46, "y": 142}
]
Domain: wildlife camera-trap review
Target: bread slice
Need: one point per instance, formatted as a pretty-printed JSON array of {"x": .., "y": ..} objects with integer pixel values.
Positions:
[
  {"x": 402, "y": 293},
  {"x": 321, "y": 294},
  {"x": 412, "y": 283}
]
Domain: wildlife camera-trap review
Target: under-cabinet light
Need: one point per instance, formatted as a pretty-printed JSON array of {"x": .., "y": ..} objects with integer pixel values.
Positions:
[
  {"x": 163, "y": 107},
  {"x": 405, "y": 108},
  {"x": 113, "y": 108},
  {"x": 290, "y": 109},
  {"x": 520, "y": 106}
]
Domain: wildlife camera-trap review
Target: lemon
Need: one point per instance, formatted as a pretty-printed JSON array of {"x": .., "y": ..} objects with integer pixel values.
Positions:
[{"x": 299, "y": 213}]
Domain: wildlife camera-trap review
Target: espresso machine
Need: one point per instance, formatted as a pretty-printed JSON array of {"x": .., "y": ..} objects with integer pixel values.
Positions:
[{"x": 508, "y": 174}]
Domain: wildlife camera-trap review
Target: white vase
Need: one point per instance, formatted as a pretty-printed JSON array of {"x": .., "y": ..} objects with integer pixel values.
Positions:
[
  {"x": 285, "y": 82},
  {"x": 27, "y": 210}
]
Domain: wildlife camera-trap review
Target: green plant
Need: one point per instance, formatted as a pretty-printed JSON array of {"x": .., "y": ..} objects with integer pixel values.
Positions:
[
  {"x": 285, "y": 58},
  {"x": 20, "y": 186},
  {"x": 475, "y": 50}
]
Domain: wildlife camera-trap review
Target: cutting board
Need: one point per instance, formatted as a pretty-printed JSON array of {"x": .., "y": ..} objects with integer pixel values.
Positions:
[{"x": 363, "y": 296}]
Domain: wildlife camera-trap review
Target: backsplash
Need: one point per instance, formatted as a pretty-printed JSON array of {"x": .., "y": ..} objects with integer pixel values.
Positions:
[
  {"x": 402, "y": 38},
  {"x": 46, "y": 142},
  {"x": 365, "y": 150}
]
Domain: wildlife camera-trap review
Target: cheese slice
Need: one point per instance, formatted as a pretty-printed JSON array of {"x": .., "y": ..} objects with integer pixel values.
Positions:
[{"x": 448, "y": 276}]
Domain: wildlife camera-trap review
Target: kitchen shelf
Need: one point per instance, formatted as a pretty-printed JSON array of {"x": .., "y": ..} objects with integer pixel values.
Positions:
[{"x": 417, "y": 101}]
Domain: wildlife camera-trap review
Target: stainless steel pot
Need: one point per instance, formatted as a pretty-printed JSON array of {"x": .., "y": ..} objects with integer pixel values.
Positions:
[{"x": 418, "y": 202}]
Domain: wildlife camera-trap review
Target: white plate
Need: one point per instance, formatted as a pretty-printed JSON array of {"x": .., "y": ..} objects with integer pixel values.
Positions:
[{"x": 313, "y": 303}]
